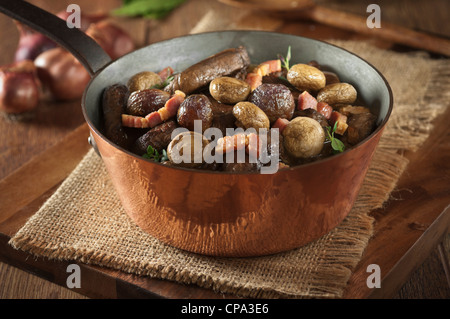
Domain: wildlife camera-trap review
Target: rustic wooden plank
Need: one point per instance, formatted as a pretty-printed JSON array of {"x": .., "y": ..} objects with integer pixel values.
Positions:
[
  {"x": 56, "y": 272},
  {"x": 444, "y": 260},
  {"x": 18, "y": 283},
  {"x": 421, "y": 198},
  {"x": 411, "y": 14},
  {"x": 42, "y": 172},
  {"x": 428, "y": 281},
  {"x": 414, "y": 257}
]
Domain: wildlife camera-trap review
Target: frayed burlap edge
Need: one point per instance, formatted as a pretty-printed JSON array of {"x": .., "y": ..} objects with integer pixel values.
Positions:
[{"x": 346, "y": 242}]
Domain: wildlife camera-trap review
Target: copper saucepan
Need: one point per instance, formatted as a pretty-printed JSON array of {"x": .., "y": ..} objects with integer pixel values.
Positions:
[{"x": 216, "y": 213}]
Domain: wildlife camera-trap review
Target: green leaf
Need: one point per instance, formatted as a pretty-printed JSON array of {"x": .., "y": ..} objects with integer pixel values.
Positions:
[
  {"x": 153, "y": 154},
  {"x": 157, "y": 14},
  {"x": 288, "y": 57},
  {"x": 285, "y": 60},
  {"x": 147, "y": 8},
  {"x": 150, "y": 150},
  {"x": 163, "y": 84},
  {"x": 336, "y": 144},
  {"x": 334, "y": 127}
]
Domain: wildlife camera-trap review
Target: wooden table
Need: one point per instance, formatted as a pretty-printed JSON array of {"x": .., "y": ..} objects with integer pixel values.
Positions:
[{"x": 36, "y": 156}]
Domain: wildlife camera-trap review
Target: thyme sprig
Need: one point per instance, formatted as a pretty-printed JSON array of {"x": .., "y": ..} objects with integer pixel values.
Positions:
[
  {"x": 153, "y": 154},
  {"x": 336, "y": 144},
  {"x": 285, "y": 60},
  {"x": 165, "y": 83}
]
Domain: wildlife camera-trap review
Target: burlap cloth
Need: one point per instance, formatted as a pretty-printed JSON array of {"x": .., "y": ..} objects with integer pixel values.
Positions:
[{"x": 84, "y": 221}]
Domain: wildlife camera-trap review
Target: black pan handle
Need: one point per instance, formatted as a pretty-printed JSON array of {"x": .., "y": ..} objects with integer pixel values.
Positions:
[{"x": 83, "y": 47}]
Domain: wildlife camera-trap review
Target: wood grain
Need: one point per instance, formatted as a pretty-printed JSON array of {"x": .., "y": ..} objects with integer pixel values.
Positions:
[
  {"x": 425, "y": 16},
  {"x": 18, "y": 284},
  {"x": 418, "y": 191},
  {"x": 307, "y": 10},
  {"x": 22, "y": 141},
  {"x": 27, "y": 180}
]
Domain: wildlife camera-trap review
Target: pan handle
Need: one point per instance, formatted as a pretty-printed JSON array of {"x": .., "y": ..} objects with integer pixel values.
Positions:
[{"x": 83, "y": 47}]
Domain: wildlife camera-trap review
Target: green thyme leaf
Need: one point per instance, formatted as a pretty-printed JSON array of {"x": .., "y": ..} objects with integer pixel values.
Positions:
[
  {"x": 163, "y": 84},
  {"x": 288, "y": 58},
  {"x": 285, "y": 60},
  {"x": 336, "y": 144},
  {"x": 153, "y": 154},
  {"x": 150, "y": 150}
]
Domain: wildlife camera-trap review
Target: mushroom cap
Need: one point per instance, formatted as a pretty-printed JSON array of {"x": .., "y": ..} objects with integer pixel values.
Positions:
[
  {"x": 186, "y": 149},
  {"x": 303, "y": 137}
]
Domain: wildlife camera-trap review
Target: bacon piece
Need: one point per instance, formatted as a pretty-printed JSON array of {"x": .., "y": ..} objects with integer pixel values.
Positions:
[
  {"x": 254, "y": 146},
  {"x": 274, "y": 65},
  {"x": 239, "y": 141},
  {"x": 325, "y": 109},
  {"x": 255, "y": 77},
  {"x": 341, "y": 120},
  {"x": 168, "y": 111},
  {"x": 262, "y": 69},
  {"x": 134, "y": 121},
  {"x": 174, "y": 103},
  {"x": 165, "y": 73},
  {"x": 306, "y": 101},
  {"x": 154, "y": 119},
  {"x": 341, "y": 127},
  {"x": 280, "y": 124},
  {"x": 231, "y": 143},
  {"x": 254, "y": 80}
]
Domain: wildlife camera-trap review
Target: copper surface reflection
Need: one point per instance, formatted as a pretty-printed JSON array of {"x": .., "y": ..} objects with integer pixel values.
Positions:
[{"x": 237, "y": 214}]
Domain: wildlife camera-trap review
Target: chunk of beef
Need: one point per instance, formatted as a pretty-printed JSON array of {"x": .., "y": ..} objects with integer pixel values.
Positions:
[{"x": 360, "y": 126}]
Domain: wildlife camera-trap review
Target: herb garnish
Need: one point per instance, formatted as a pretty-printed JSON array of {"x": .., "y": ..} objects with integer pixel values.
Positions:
[
  {"x": 336, "y": 144},
  {"x": 285, "y": 60},
  {"x": 165, "y": 83},
  {"x": 153, "y": 9},
  {"x": 153, "y": 154}
]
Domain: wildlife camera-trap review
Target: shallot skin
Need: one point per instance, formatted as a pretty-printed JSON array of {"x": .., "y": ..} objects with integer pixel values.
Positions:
[
  {"x": 31, "y": 43},
  {"x": 30, "y": 46},
  {"x": 62, "y": 74},
  {"x": 114, "y": 40},
  {"x": 19, "y": 88}
]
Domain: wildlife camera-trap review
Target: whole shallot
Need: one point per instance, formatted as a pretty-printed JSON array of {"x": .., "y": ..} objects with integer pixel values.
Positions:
[
  {"x": 114, "y": 40},
  {"x": 31, "y": 43},
  {"x": 62, "y": 74},
  {"x": 19, "y": 87}
]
